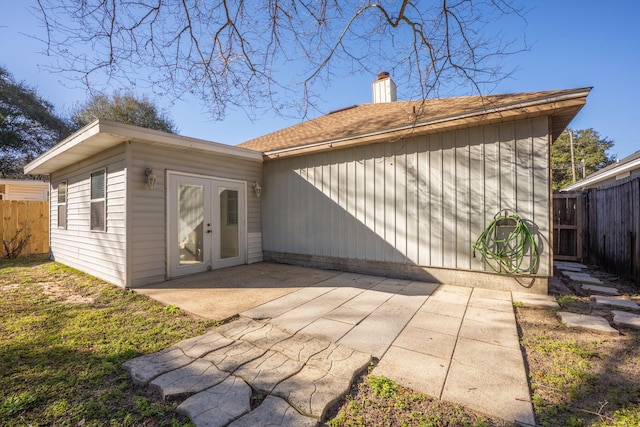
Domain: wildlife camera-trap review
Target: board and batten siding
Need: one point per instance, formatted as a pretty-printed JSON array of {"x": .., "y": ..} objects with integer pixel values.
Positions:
[
  {"x": 420, "y": 201},
  {"x": 101, "y": 254},
  {"x": 147, "y": 208}
]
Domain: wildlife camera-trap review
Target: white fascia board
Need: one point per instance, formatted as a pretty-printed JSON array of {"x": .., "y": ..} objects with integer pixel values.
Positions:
[
  {"x": 155, "y": 137},
  {"x": 594, "y": 180},
  {"x": 103, "y": 134}
]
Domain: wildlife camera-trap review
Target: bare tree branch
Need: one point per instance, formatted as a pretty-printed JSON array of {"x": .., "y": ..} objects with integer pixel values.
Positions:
[{"x": 279, "y": 53}]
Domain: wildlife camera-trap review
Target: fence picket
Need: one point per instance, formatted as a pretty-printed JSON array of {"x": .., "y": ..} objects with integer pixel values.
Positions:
[{"x": 17, "y": 214}]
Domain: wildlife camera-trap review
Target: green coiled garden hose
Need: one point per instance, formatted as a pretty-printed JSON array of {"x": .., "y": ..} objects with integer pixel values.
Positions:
[{"x": 505, "y": 254}]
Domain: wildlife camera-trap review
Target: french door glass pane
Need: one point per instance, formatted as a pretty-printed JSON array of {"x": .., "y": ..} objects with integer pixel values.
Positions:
[
  {"x": 228, "y": 224},
  {"x": 190, "y": 223}
]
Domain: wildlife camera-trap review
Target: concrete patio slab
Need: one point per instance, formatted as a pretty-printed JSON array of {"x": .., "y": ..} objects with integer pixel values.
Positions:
[
  {"x": 347, "y": 314},
  {"x": 426, "y": 320},
  {"x": 327, "y": 329},
  {"x": 492, "y": 294},
  {"x": 451, "y": 342},
  {"x": 220, "y": 294},
  {"x": 491, "y": 303},
  {"x": 590, "y": 323},
  {"x": 426, "y": 342},
  {"x": 478, "y": 381},
  {"x": 446, "y": 308},
  {"x": 534, "y": 300},
  {"x": 377, "y": 331},
  {"x": 418, "y": 371},
  {"x": 496, "y": 334}
]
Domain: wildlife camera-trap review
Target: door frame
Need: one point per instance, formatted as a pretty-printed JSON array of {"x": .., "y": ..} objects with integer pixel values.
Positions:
[{"x": 211, "y": 256}]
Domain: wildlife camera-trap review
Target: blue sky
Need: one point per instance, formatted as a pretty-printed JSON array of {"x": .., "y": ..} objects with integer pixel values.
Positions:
[{"x": 573, "y": 44}]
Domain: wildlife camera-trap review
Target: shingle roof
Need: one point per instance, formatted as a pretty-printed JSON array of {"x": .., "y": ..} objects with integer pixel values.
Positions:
[{"x": 367, "y": 120}]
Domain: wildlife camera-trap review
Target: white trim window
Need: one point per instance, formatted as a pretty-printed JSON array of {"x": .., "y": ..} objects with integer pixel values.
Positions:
[
  {"x": 98, "y": 200},
  {"x": 62, "y": 204}
]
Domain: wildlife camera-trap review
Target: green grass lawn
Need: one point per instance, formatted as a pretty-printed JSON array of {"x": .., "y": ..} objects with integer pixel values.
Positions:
[{"x": 63, "y": 338}]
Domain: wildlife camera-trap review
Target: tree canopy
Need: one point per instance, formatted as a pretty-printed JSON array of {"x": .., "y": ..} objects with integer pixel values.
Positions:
[
  {"x": 278, "y": 54},
  {"x": 590, "y": 154},
  {"x": 122, "y": 108},
  {"x": 28, "y": 125}
]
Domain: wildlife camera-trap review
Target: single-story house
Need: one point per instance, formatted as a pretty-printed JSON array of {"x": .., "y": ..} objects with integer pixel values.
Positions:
[
  {"x": 400, "y": 188},
  {"x": 628, "y": 167},
  {"x": 24, "y": 189}
]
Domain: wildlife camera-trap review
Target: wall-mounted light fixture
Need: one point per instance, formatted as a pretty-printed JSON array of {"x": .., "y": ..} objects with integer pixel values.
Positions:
[
  {"x": 257, "y": 188},
  {"x": 151, "y": 178}
]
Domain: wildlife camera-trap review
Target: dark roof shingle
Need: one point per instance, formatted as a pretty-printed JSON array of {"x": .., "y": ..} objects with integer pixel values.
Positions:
[{"x": 366, "y": 119}]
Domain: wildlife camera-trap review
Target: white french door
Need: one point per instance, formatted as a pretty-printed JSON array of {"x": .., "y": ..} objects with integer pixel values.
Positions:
[{"x": 206, "y": 223}]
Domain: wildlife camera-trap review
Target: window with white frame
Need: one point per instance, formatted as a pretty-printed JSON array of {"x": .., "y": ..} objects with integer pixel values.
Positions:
[
  {"x": 98, "y": 198},
  {"x": 62, "y": 204}
]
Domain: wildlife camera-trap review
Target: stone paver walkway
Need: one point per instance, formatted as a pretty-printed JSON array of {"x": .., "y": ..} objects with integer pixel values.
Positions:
[
  {"x": 626, "y": 319},
  {"x": 455, "y": 343},
  {"x": 303, "y": 350},
  {"x": 590, "y": 323},
  {"x": 214, "y": 375},
  {"x": 616, "y": 302}
]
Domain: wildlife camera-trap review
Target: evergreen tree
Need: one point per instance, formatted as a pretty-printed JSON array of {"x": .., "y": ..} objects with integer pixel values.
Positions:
[
  {"x": 125, "y": 109},
  {"x": 590, "y": 154},
  {"x": 28, "y": 125}
]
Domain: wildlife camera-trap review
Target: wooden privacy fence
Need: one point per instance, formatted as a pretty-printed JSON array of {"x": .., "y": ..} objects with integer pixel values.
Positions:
[
  {"x": 612, "y": 226},
  {"x": 20, "y": 218}
]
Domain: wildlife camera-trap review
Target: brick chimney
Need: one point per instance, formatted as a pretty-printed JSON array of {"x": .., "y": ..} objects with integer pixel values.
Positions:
[{"x": 384, "y": 89}]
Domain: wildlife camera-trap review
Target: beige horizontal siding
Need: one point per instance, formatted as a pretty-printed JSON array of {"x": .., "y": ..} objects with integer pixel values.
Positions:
[
  {"x": 101, "y": 254},
  {"x": 147, "y": 212}
]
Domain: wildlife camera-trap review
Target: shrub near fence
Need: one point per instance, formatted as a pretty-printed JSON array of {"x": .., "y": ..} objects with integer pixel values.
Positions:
[{"x": 20, "y": 220}]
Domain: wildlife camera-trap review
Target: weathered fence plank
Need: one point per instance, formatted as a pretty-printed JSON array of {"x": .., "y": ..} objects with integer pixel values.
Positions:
[
  {"x": 19, "y": 218},
  {"x": 612, "y": 227}
]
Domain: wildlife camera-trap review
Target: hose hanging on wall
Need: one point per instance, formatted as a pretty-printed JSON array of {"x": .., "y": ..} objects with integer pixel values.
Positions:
[{"x": 506, "y": 242}]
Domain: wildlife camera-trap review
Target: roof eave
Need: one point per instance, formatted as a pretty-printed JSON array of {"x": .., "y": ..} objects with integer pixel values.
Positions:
[
  {"x": 564, "y": 106},
  {"x": 103, "y": 134},
  {"x": 597, "y": 178}
]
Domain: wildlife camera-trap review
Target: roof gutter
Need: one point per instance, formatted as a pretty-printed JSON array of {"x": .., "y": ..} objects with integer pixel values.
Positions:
[{"x": 578, "y": 93}]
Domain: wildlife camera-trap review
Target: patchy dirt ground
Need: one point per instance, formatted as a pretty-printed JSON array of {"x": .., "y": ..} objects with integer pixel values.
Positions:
[
  {"x": 577, "y": 378},
  {"x": 581, "y": 378}
]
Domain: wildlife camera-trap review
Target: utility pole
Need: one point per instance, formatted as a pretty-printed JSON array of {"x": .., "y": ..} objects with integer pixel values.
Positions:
[{"x": 573, "y": 159}]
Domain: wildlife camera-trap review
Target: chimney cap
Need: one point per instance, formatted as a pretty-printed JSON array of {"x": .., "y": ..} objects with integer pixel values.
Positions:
[{"x": 383, "y": 75}]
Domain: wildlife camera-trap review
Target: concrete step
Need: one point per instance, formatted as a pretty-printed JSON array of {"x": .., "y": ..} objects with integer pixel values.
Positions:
[{"x": 534, "y": 300}]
